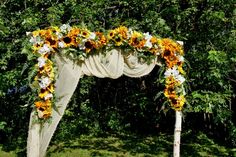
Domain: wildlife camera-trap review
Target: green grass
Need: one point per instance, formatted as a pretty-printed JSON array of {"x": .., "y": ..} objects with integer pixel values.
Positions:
[
  {"x": 7, "y": 154},
  {"x": 132, "y": 146}
]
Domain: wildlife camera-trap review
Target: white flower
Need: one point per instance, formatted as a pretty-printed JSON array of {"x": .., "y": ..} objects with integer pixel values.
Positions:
[
  {"x": 81, "y": 45},
  {"x": 28, "y": 33},
  {"x": 41, "y": 62},
  {"x": 147, "y": 36},
  {"x": 45, "y": 49},
  {"x": 171, "y": 72},
  {"x": 59, "y": 35},
  {"x": 92, "y": 36},
  {"x": 181, "y": 58},
  {"x": 130, "y": 32},
  {"x": 61, "y": 44},
  {"x": 65, "y": 28},
  {"x": 48, "y": 96},
  {"x": 148, "y": 44},
  {"x": 180, "y": 78},
  {"x": 174, "y": 73},
  {"x": 33, "y": 40},
  {"x": 44, "y": 82}
]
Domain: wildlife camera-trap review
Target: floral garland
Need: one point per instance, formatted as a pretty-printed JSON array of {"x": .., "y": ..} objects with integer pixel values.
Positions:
[{"x": 46, "y": 42}]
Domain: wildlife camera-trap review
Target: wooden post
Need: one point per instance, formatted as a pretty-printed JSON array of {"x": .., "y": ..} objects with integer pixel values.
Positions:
[{"x": 177, "y": 133}]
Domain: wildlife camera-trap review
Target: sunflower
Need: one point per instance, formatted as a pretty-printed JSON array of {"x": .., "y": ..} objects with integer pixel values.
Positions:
[
  {"x": 43, "y": 93},
  {"x": 47, "y": 68},
  {"x": 44, "y": 108},
  {"x": 111, "y": 34},
  {"x": 180, "y": 69},
  {"x": 169, "y": 91},
  {"x": 118, "y": 40},
  {"x": 69, "y": 41},
  {"x": 135, "y": 39},
  {"x": 154, "y": 40},
  {"x": 171, "y": 60},
  {"x": 55, "y": 29},
  {"x": 171, "y": 81},
  {"x": 74, "y": 32},
  {"x": 52, "y": 42},
  {"x": 172, "y": 46},
  {"x": 85, "y": 33},
  {"x": 36, "y": 33},
  {"x": 42, "y": 105},
  {"x": 155, "y": 51},
  {"x": 177, "y": 103},
  {"x": 123, "y": 31},
  {"x": 46, "y": 33},
  {"x": 89, "y": 45},
  {"x": 141, "y": 44},
  {"x": 102, "y": 39},
  {"x": 47, "y": 113},
  {"x": 50, "y": 88},
  {"x": 36, "y": 47}
]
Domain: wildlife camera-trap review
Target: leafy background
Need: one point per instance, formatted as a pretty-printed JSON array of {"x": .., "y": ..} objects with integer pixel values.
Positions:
[{"x": 126, "y": 106}]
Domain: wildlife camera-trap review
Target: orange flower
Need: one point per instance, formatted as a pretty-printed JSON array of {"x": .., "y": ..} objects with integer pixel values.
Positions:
[
  {"x": 172, "y": 46},
  {"x": 153, "y": 40},
  {"x": 44, "y": 108},
  {"x": 74, "y": 32},
  {"x": 102, "y": 40}
]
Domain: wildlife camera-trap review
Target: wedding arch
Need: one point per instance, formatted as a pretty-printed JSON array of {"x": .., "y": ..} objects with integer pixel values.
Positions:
[{"x": 65, "y": 54}]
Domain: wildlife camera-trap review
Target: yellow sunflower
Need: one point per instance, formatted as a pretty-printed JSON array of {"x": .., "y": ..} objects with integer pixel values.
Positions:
[
  {"x": 85, "y": 33},
  {"x": 111, "y": 34},
  {"x": 53, "y": 42},
  {"x": 177, "y": 103},
  {"x": 153, "y": 40},
  {"x": 170, "y": 91},
  {"x": 36, "y": 47},
  {"x": 118, "y": 40},
  {"x": 74, "y": 32},
  {"x": 47, "y": 68},
  {"x": 123, "y": 31},
  {"x": 102, "y": 39},
  {"x": 43, "y": 93},
  {"x": 89, "y": 45},
  {"x": 68, "y": 41},
  {"x": 135, "y": 39}
]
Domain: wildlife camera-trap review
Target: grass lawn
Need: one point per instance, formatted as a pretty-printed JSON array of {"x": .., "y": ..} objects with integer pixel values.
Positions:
[{"x": 132, "y": 146}]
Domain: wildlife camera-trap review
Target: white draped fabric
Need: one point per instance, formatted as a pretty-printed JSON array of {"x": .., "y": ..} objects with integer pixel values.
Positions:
[{"x": 113, "y": 64}]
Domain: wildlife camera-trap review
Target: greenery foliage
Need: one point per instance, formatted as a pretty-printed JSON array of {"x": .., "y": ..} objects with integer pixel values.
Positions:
[{"x": 207, "y": 28}]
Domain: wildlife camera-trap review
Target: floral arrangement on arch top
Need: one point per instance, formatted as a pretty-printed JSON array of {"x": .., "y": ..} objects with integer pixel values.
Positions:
[{"x": 46, "y": 42}]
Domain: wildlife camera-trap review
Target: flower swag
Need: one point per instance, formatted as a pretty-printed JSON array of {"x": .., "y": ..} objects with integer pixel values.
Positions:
[{"x": 44, "y": 43}]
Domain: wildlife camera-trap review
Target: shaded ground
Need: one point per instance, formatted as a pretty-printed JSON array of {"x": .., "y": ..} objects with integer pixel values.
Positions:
[{"x": 133, "y": 146}]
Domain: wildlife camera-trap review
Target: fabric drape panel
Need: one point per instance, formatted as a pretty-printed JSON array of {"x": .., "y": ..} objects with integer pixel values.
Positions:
[
  {"x": 69, "y": 75},
  {"x": 104, "y": 65},
  {"x": 111, "y": 64},
  {"x": 33, "y": 140},
  {"x": 133, "y": 68}
]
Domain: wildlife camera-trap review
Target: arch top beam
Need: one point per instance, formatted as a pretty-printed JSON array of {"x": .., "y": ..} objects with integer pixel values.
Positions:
[{"x": 78, "y": 44}]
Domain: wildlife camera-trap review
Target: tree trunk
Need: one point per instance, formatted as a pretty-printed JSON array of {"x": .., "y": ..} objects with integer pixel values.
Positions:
[{"x": 177, "y": 133}]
